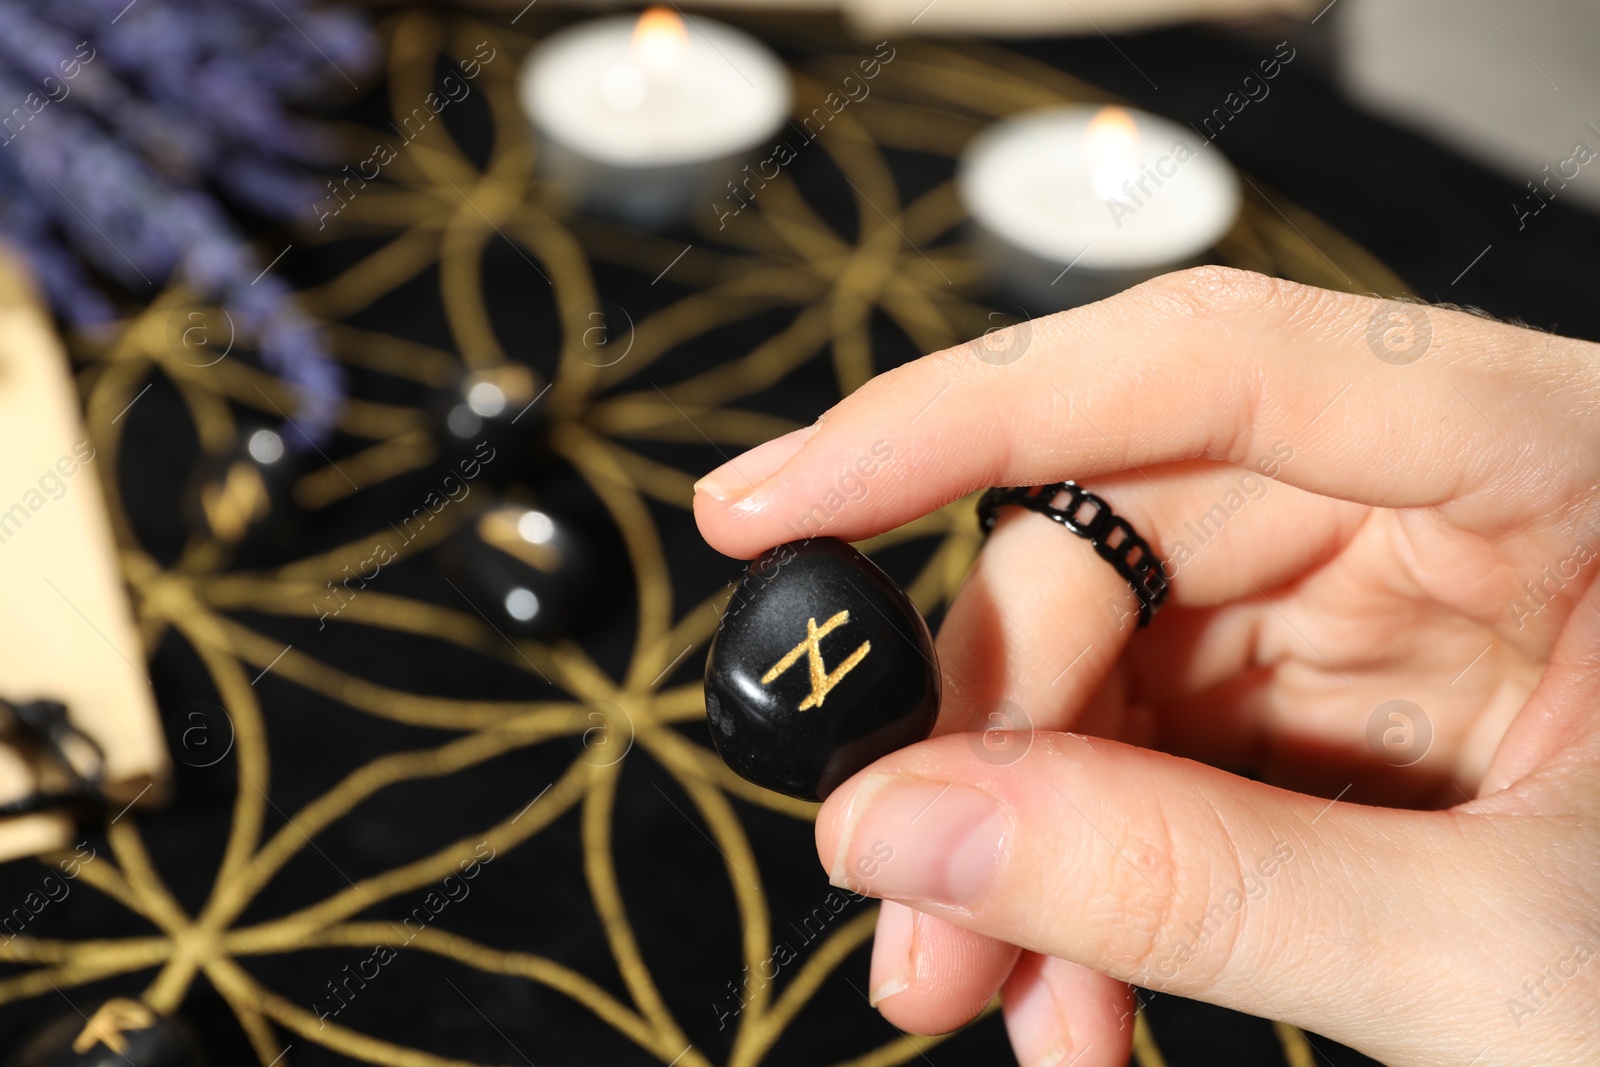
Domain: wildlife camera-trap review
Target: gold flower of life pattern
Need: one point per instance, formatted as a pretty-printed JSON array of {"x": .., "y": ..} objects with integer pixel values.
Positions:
[{"x": 820, "y": 296}]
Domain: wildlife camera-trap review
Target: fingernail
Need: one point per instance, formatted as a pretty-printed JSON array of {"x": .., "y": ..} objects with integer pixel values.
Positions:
[
  {"x": 744, "y": 472},
  {"x": 891, "y": 952},
  {"x": 912, "y": 839},
  {"x": 1034, "y": 1021}
]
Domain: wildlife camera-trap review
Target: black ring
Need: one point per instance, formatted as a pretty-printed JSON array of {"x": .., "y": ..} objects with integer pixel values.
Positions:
[{"x": 1129, "y": 553}]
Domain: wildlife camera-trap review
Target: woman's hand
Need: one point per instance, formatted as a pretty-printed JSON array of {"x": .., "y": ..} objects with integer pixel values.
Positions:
[{"x": 1381, "y": 547}]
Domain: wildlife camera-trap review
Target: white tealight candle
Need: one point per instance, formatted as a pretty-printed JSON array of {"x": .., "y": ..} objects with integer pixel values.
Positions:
[
  {"x": 1071, "y": 204},
  {"x": 637, "y": 118}
]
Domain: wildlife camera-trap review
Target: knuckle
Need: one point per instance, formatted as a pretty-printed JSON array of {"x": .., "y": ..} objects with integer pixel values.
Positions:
[
  {"x": 1232, "y": 297},
  {"x": 1213, "y": 291},
  {"x": 1227, "y": 903},
  {"x": 1145, "y": 890},
  {"x": 1183, "y": 915}
]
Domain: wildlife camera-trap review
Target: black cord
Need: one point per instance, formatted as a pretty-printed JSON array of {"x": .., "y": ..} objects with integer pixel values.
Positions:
[{"x": 47, "y": 725}]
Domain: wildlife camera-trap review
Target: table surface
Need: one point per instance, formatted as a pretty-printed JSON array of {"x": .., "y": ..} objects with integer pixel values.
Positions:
[{"x": 371, "y": 757}]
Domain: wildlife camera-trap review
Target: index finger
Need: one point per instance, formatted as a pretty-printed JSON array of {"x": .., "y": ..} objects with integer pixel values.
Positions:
[{"x": 1206, "y": 363}]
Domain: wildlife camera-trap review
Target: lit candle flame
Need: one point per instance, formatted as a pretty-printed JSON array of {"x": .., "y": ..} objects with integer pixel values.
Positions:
[
  {"x": 660, "y": 41},
  {"x": 1112, "y": 143},
  {"x": 656, "y": 53}
]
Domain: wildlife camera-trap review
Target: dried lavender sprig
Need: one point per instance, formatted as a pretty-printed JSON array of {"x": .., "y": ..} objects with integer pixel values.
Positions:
[
  {"x": 132, "y": 228},
  {"x": 185, "y": 97}
]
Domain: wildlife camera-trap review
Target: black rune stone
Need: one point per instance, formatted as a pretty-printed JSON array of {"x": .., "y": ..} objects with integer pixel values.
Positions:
[
  {"x": 245, "y": 498},
  {"x": 487, "y": 413},
  {"x": 820, "y": 666},
  {"x": 526, "y": 571},
  {"x": 117, "y": 1033}
]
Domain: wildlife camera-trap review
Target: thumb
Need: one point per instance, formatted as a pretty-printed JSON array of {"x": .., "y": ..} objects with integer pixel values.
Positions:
[{"x": 1182, "y": 878}]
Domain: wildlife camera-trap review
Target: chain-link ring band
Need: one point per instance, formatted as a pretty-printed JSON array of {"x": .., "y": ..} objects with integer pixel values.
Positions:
[{"x": 1112, "y": 537}]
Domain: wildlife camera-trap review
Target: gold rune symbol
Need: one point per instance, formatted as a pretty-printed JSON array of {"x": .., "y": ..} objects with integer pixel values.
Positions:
[
  {"x": 821, "y": 681},
  {"x": 107, "y": 1026}
]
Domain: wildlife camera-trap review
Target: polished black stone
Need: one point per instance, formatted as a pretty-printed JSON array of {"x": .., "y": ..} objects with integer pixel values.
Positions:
[
  {"x": 821, "y": 665},
  {"x": 116, "y": 1033},
  {"x": 525, "y": 570},
  {"x": 495, "y": 406},
  {"x": 246, "y": 496}
]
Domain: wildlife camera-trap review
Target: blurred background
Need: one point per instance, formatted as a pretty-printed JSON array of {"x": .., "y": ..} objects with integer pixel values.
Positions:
[{"x": 356, "y": 364}]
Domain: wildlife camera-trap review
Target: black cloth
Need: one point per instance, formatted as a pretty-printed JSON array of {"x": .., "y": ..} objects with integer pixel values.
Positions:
[{"x": 1419, "y": 208}]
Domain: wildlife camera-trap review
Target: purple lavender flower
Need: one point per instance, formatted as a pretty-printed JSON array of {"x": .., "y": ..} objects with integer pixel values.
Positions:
[{"x": 122, "y": 124}]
